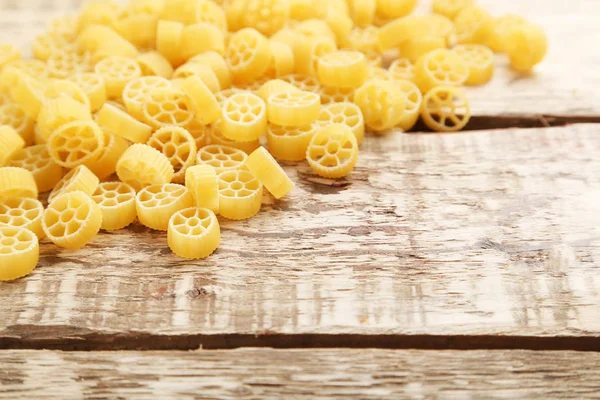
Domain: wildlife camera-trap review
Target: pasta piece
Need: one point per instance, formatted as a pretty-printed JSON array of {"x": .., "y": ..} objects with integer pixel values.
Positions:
[
  {"x": 39, "y": 139},
  {"x": 60, "y": 88},
  {"x": 99, "y": 12},
  {"x": 414, "y": 100},
  {"x": 274, "y": 86},
  {"x": 215, "y": 136},
  {"x": 94, "y": 36},
  {"x": 266, "y": 16},
  {"x": 9, "y": 54},
  {"x": 382, "y": 105},
  {"x": 402, "y": 68},
  {"x": 223, "y": 95},
  {"x": 37, "y": 160},
  {"x": 64, "y": 26},
  {"x": 178, "y": 145},
  {"x": 499, "y": 40},
  {"x": 28, "y": 93},
  {"x": 199, "y": 132},
  {"x": 11, "y": 144},
  {"x": 222, "y": 158},
  {"x": 343, "y": 69},
  {"x": 94, "y": 88},
  {"x": 14, "y": 116},
  {"x": 156, "y": 204},
  {"x": 141, "y": 166},
  {"x": 22, "y": 212},
  {"x": 168, "y": 41},
  {"x": 333, "y": 151},
  {"x": 336, "y": 95},
  {"x": 343, "y": 113},
  {"x": 313, "y": 28},
  {"x": 210, "y": 13},
  {"x": 290, "y": 143},
  {"x": 233, "y": 13},
  {"x": 440, "y": 67},
  {"x": 252, "y": 87},
  {"x": 149, "y": 7},
  {"x": 240, "y": 195},
  {"x": 17, "y": 182},
  {"x": 294, "y": 108},
  {"x": 199, "y": 38},
  {"x": 479, "y": 60},
  {"x": 445, "y": 109},
  {"x": 268, "y": 172},
  {"x": 66, "y": 62},
  {"x": 304, "y": 9},
  {"x": 194, "y": 233},
  {"x": 60, "y": 111},
  {"x": 450, "y": 8},
  {"x": 72, "y": 220},
  {"x": 282, "y": 60},
  {"x": 153, "y": 63},
  {"x": 19, "y": 252},
  {"x": 122, "y": 124},
  {"x": 106, "y": 164},
  {"x": 414, "y": 48},
  {"x": 248, "y": 55},
  {"x": 167, "y": 106},
  {"x": 45, "y": 45},
  {"x": 139, "y": 29},
  {"x": 117, "y": 72},
  {"x": 200, "y": 100},
  {"x": 528, "y": 45},
  {"x": 78, "y": 179},
  {"x": 375, "y": 73},
  {"x": 473, "y": 25},
  {"x": 137, "y": 91},
  {"x": 204, "y": 72},
  {"x": 76, "y": 143},
  {"x": 201, "y": 181},
  {"x": 308, "y": 53},
  {"x": 33, "y": 68},
  {"x": 363, "y": 12},
  {"x": 364, "y": 39},
  {"x": 395, "y": 8},
  {"x": 244, "y": 117},
  {"x": 116, "y": 201},
  {"x": 117, "y": 47},
  {"x": 179, "y": 10},
  {"x": 400, "y": 30},
  {"x": 340, "y": 24},
  {"x": 218, "y": 65},
  {"x": 303, "y": 82}
]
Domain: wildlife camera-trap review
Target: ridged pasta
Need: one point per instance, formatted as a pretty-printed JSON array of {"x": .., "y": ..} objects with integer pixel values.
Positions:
[
  {"x": 194, "y": 233},
  {"x": 156, "y": 204},
  {"x": 37, "y": 160},
  {"x": 122, "y": 124},
  {"x": 303, "y": 82},
  {"x": 78, "y": 179},
  {"x": 201, "y": 181},
  {"x": 268, "y": 172},
  {"x": 76, "y": 143},
  {"x": 117, "y": 72},
  {"x": 204, "y": 72},
  {"x": 473, "y": 25},
  {"x": 200, "y": 100},
  {"x": 168, "y": 41},
  {"x": 72, "y": 220},
  {"x": 343, "y": 69},
  {"x": 12, "y": 115},
  {"x": 11, "y": 144},
  {"x": 240, "y": 195},
  {"x": 445, "y": 109},
  {"x": 215, "y": 136},
  {"x": 167, "y": 106},
  {"x": 290, "y": 143},
  {"x": 199, "y": 38},
  {"x": 343, "y": 113},
  {"x": 19, "y": 252},
  {"x": 222, "y": 158},
  {"x": 440, "y": 67},
  {"x": 141, "y": 166},
  {"x": 152, "y": 63},
  {"x": 248, "y": 55},
  {"x": 137, "y": 91},
  {"x": 218, "y": 65},
  {"x": 17, "y": 182},
  {"x": 115, "y": 47},
  {"x": 414, "y": 100},
  {"x": 382, "y": 105},
  {"x": 244, "y": 117},
  {"x": 178, "y": 145},
  {"x": 293, "y": 108},
  {"x": 116, "y": 201},
  {"x": 527, "y": 47},
  {"x": 479, "y": 60},
  {"x": 94, "y": 88},
  {"x": 23, "y": 212},
  {"x": 333, "y": 151}
]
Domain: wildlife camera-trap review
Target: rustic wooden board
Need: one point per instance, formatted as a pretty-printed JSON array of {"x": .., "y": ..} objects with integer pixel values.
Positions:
[
  {"x": 300, "y": 374},
  {"x": 489, "y": 233}
]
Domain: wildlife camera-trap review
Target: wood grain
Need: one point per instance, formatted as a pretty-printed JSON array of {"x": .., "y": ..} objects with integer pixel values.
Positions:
[
  {"x": 300, "y": 374},
  {"x": 495, "y": 233}
]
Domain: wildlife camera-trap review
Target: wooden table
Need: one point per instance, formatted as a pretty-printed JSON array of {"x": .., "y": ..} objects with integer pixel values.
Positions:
[{"x": 459, "y": 266}]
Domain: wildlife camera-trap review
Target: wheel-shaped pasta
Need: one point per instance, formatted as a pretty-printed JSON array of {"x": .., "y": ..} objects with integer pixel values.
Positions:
[
  {"x": 218, "y": 65},
  {"x": 282, "y": 60},
  {"x": 309, "y": 51},
  {"x": 266, "y": 16},
  {"x": 142, "y": 165},
  {"x": 34, "y": 68},
  {"x": 168, "y": 40},
  {"x": 199, "y": 132},
  {"x": 78, "y": 179},
  {"x": 414, "y": 99},
  {"x": 400, "y": 30},
  {"x": 343, "y": 69},
  {"x": 23, "y": 212},
  {"x": 117, "y": 204},
  {"x": 303, "y": 82},
  {"x": 480, "y": 60},
  {"x": 223, "y": 95},
  {"x": 528, "y": 45},
  {"x": 178, "y": 145},
  {"x": 440, "y": 67},
  {"x": 139, "y": 29},
  {"x": 244, "y": 117},
  {"x": 221, "y": 158},
  {"x": 117, "y": 72},
  {"x": 336, "y": 95},
  {"x": 66, "y": 62},
  {"x": 200, "y": 100},
  {"x": 17, "y": 182},
  {"x": 152, "y": 63},
  {"x": 11, "y": 144},
  {"x": 363, "y": 12},
  {"x": 204, "y": 72},
  {"x": 290, "y": 143},
  {"x": 94, "y": 88},
  {"x": 76, "y": 143},
  {"x": 499, "y": 40},
  {"x": 136, "y": 93},
  {"x": 343, "y": 113},
  {"x": 333, "y": 151},
  {"x": 122, "y": 124},
  {"x": 199, "y": 38},
  {"x": 201, "y": 181},
  {"x": 106, "y": 164},
  {"x": 215, "y": 136},
  {"x": 156, "y": 204},
  {"x": 240, "y": 195},
  {"x": 248, "y": 55},
  {"x": 445, "y": 109},
  {"x": 194, "y": 233},
  {"x": 473, "y": 25},
  {"x": 167, "y": 106},
  {"x": 414, "y": 48},
  {"x": 209, "y": 12},
  {"x": 293, "y": 108},
  {"x": 402, "y": 68},
  {"x": 9, "y": 54},
  {"x": 274, "y": 86},
  {"x": 364, "y": 39},
  {"x": 19, "y": 252},
  {"x": 340, "y": 24},
  {"x": 450, "y": 8},
  {"x": 61, "y": 87},
  {"x": 59, "y": 112},
  {"x": 395, "y": 8},
  {"x": 382, "y": 105},
  {"x": 37, "y": 160},
  {"x": 268, "y": 172},
  {"x": 14, "y": 116},
  {"x": 72, "y": 220},
  {"x": 28, "y": 93}
]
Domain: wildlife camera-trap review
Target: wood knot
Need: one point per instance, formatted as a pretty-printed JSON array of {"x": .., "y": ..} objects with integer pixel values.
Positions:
[{"x": 196, "y": 292}]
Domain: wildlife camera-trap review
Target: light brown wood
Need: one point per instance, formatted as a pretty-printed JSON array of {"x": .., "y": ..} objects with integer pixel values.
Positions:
[{"x": 300, "y": 374}]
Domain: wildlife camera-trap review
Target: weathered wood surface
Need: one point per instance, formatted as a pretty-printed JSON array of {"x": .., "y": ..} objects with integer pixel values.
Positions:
[
  {"x": 487, "y": 233},
  {"x": 300, "y": 374}
]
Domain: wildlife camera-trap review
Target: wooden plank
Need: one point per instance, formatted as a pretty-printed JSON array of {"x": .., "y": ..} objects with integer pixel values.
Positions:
[
  {"x": 300, "y": 374},
  {"x": 494, "y": 233}
]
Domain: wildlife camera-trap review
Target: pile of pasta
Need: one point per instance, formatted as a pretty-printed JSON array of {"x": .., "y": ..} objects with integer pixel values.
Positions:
[{"x": 163, "y": 110}]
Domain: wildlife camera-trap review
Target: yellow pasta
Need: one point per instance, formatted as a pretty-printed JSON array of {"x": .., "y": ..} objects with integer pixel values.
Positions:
[
  {"x": 244, "y": 117},
  {"x": 141, "y": 166},
  {"x": 240, "y": 195},
  {"x": 274, "y": 86},
  {"x": 28, "y": 93},
  {"x": 440, "y": 67},
  {"x": 116, "y": 201},
  {"x": 248, "y": 55},
  {"x": 117, "y": 72},
  {"x": 473, "y": 25},
  {"x": 252, "y": 87},
  {"x": 11, "y": 144},
  {"x": 445, "y": 109},
  {"x": 382, "y": 105},
  {"x": 17, "y": 182},
  {"x": 479, "y": 60},
  {"x": 293, "y": 108},
  {"x": 499, "y": 40},
  {"x": 152, "y": 63},
  {"x": 400, "y": 30},
  {"x": 333, "y": 151},
  {"x": 72, "y": 220},
  {"x": 37, "y": 160},
  {"x": 179, "y": 10},
  {"x": 268, "y": 172},
  {"x": 527, "y": 47},
  {"x": 395, "y": 8},
  {"x": 218, "y": 65},
  {"x": 450, "y": 8},
  {"x": 364, "y": 39},
  {"x": 414, "y": 100},
  {"x": 304, "y": 9},
  {"x": 308, "y": 53},
  {"x": 12, "y": 115},
  {"x": 200, "y": 100},
  {"x": 106, "y": 164},
  {"x": 282, "y": 60},
  {"x": 204, "y": 72},
  {"x": 61, "y": 88},
  {"x": 122, "y": 124},
  {"x": 402, "y": 68},
  {"x": 222, "y": 158},
  {"x": 209, "y": 12},
  {"x": 117, "y": 47},
  {"x": 76, "y": 143},
  {"x": 223, "y": 95},
  {"x": 314, "y": 28},
  {"x": 343, "y": 113},
  {"x": 9, "y": 54},
  {"x": 168, "y": 41},
  {"x": 46, "y": 44},
  {"x": 78, "y": 179},
  {"x": 137, "y": 91},
  {"x": 199, "y": 38},
  {"x": 266, "y": 16},
  {"x": 290, "y": 143},
  {"x": 93, "y": 86},
  {"x": 19, "y": 252},
  {"x": 215, "y": 136},
  {"x": 303, "y": 82},
  {"x": 336, "y": 95},
  {"x": 139, "y": 29},
  {"x": 99, "y": 12},
  {"x": 34, "y": 68},
  {"x": 178, "y": 145},
  {"x": 340, "y": 24},
  {"x": 194, "y": 233},
  {"x": 66, "y": 62},
  {"x": 363, "y": 12},
  {"x": 156, "y": 204},
  {"x": 167, "y": 106},
  {"x": 414, "y": 48},
  {"x": 201, "y": 181},
  {"x": 199, "y": 132},
  {"x": 95, "y": 36},
  {"x": 22, "y": 212},
  {"x": 343, "y": 69}
]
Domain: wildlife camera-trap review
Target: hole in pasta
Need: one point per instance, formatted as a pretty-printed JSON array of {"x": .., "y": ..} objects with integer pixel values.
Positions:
[
  {"x": 192, "y": 222},
  {"x": 221, "y": 157},
  {"x": 8, "y": 241},
  {"x": 67, "y": 216},
  {"x": 169, "y": 150},
  {"x": 333, "y": 148},
  {"x": 58, "y": 230},
  {"x": 169, "y": 107},
  {"x": 161, "y": 196},
  {"x": 110, "y": 195},
  {"x": 227, "y": 193},
  {"x": 15, "y": 212},
  {"x": 82, "y": 213},
  {"x": 237, "y": 185},
  {"x": 21, "y": 246},
  {"x": 6, "y": 250}
]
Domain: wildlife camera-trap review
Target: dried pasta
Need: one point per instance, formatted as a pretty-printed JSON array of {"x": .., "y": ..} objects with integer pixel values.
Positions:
[
  {"x": 117, "y": 72},
  {"x": 13, "y": 115},
  {"x": 178, "y": 145},
  {"x": 204, "y": 72},
  {"x": 200, "y": 100},
  {"x": 382, "y": 105},
  {"x": 141, "y": 166},
  {"x": 106, "y": 163},
  {"x": 440, "y": 67},
  {"x": 78, "y": 179},
  {"x": 201, "y": 181},
  {"x": 343, "y": 69},
  {"x": 152, "y": 63},
  {"x": 23, "y": 212},
  {"x": 414, "y": 99},
  {"x": 240, "y": 195},
  {"x": 473, "y": 25},
  {"x": 218, "y": 65},
  {"x": 76, "y": 143},
  {"x": 215, "y": 136},
  {"x": 168, "y": 41},
  {"x": 303, "y": 82},
  {"x": 156, "y": 204},
  {"x": 93, "y": 86},
  {"x": 37, "y": 160},
  {"x": 11, "y": 144},
  {"x": 527, "y": 47},
  {"x": 268, "y": 172},
  {"x": 479, "y": 60},
  {"x": 266, "y": 16},
  {"x": 194, "y": 233},
  {"x": 167, "y": 106},
  {"x": 445, "y": 109},
  {"x": 137, "y": 91},
  {"x": 293, "y": 108},
  {"x": 17, "y": 182},
  {"x": 19, "y": 252},
  {"x": 248, "y": 55},
  {"x": 222, "y": 158},
  {"x": 116, "y": 201},
  {"x": 244, "y": 117},
  {"x": 333, "y": 151},
  {"x": 199, "y": 38},
  {"x": 122, "y": 124},
  {"x": 290, "y": 143},
  {"x": 344, "y": 113},
  {"x": 450, "y": 8}
]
